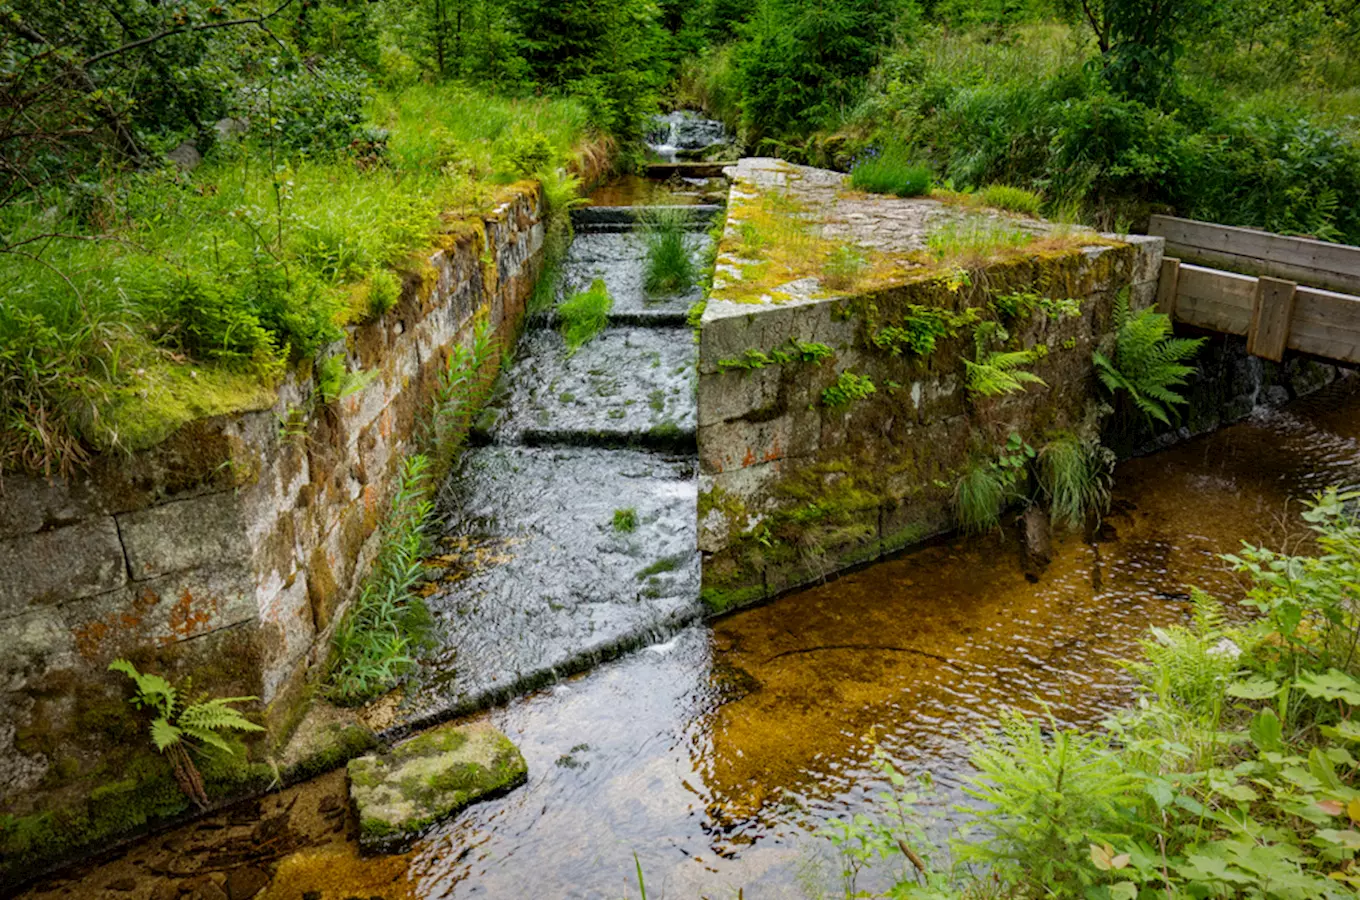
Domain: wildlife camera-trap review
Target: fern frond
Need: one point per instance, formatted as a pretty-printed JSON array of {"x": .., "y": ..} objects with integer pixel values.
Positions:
[{"x": 163, "y": 734}]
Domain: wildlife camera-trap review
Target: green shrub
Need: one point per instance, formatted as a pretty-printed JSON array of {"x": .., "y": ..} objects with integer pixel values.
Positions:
[
  {"x": 1147, "y": 364},
  {"x": 1014, "y": 199},
  {"x": 670, "y": 268},
  {"x": 584, "y": 315},
  {"x": 529, "y": 152},
  {"x": 890, "y": 173}
]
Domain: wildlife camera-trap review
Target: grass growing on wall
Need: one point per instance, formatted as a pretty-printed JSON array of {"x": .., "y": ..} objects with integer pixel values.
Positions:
[
  {"x": 375, "y": 645},
  {"x": 187, "y": 294}
]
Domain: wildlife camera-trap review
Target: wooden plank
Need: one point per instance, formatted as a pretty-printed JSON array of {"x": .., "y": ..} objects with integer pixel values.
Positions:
[
  {"x": 1218, "y": 301},
  {"x": 1326, "y": 324},
  {"x": 1317, "y": 263},
  {"x": 1166, "y": 285},
  {"x": 1270, "y": 318}
]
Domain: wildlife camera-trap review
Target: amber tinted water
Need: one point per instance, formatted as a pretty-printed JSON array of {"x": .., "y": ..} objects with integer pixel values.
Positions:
[{"x": 714, "y": 757}]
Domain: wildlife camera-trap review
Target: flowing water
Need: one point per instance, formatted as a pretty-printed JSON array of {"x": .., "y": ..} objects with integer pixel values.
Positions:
[{"x": 716, "y": 750}]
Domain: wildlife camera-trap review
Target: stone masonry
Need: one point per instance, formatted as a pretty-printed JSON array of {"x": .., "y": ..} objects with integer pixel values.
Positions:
[
  {"x": 227, "y": 552},
  {"x": 793, "y": 488}
]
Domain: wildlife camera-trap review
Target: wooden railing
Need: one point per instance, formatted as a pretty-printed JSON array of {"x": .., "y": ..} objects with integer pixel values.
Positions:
[{"x": 1289, "y": 298}]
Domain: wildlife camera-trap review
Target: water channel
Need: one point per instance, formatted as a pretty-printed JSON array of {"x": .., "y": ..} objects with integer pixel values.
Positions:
[{"x": 715, "y": 753}]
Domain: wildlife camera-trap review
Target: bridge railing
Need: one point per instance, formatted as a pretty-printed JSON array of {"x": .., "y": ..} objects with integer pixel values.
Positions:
[{"x": 1283, "y": 293}]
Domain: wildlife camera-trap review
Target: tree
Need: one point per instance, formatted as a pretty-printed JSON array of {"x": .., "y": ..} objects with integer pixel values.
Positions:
[
  {"x": 803, "y": 59},
  {"x": 1139, "y": 40}
]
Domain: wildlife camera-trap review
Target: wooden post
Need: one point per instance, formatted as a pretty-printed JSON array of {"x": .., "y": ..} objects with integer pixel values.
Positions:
[
  {"x": 1167, "y": 285},
  {"x": 1270, "y": 318}
]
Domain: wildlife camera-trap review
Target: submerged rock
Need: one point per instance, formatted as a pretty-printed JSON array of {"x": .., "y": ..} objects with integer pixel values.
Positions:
[{"x": 400, "y": 793}]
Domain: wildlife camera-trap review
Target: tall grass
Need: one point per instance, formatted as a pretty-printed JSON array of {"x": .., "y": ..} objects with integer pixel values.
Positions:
[
  {"x": 374, "y": 645},
  {"x": 1075, "y": 476},
  {"x": 978, "y": 497},
  {"x": 181, "y": 294},
  {"x": 891, "y": 172},
  {"x": 670, "y": 267}
]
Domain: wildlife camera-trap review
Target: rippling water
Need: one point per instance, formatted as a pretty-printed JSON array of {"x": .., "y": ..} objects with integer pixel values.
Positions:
[{"x": 715, "y": 756}]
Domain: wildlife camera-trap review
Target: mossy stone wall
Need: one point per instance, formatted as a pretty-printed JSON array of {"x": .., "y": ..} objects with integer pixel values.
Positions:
[
  {"x": 223, "y": 555},
  {"x": 795, "y": 487}
]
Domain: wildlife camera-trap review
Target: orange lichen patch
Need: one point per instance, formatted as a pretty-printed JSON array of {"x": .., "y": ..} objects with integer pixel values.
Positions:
[
  {"x": 188, "y": 616},
  {"x": 92, "y": 638}
]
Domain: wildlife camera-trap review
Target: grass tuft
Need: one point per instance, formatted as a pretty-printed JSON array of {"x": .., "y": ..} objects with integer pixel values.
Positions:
[
  {"x": 1075, "y": 476},
  {"x": 670, "y": 268},
  {"x": 891, "y": 173},
  {"x": 1013, "y": 199},
  {"x": 978, "y": 497},
  {"x": 625, "y": 520},
  {"x": 585, "y": 315}
]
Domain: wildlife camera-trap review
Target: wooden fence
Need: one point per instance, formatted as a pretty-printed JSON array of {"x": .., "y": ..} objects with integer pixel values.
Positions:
[{"x": 1290, "y": 300}]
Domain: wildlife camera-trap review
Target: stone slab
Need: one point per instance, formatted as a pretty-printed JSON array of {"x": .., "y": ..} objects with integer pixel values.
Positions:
[
  {"x": 202, "y": 531},
  {"x": 400, "y": 793},
  {"x": 48, "y": 566}
]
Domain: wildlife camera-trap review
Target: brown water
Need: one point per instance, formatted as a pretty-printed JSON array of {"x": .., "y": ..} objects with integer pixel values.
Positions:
[{"x": 715, "y": 757}]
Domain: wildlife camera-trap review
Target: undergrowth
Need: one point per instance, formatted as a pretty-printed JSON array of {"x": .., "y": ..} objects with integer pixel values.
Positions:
[
  {"x": 1232, "y": 776},
  {"x": 890, "y": 172},
  {"x": 376, "y": 644}
]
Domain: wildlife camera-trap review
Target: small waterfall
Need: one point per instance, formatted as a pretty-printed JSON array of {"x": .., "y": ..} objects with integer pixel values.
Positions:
[{"x": 683, "y": 135}]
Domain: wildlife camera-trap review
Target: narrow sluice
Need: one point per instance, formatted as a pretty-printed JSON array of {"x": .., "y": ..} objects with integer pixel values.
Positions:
[{"x": 571, "y": 534}]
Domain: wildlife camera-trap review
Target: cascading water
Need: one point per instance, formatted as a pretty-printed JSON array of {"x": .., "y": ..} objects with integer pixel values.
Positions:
[
  {"x": 682, "y": 134},
  {"x": 541, "y": 579}
]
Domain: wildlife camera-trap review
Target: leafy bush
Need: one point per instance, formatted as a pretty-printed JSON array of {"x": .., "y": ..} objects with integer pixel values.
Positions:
[
  {"x": 890, "y": 172},
  {"x": 1014, "y": 199},
  {"x": 584, "y": 315},
  {"x": 670, "y": 268},
  {"x": 1147, "y": 363},
  {"x": 316, "y": 110},
  {"x": 529, "y": 152}
]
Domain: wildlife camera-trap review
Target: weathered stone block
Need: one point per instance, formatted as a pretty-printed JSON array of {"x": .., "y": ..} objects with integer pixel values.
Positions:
[
  {"x": 202, "y": 531},
  {"x": 732, "y": 395},
  {"x": 400, "y": 793},
  {"x": 50, "y": 566}
]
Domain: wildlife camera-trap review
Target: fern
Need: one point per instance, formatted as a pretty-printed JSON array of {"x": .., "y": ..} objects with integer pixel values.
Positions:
[
  {"x": 993, "y": 373},
  {"x": 1148, "y": 362},
  {"x": 197, "y": 725}
]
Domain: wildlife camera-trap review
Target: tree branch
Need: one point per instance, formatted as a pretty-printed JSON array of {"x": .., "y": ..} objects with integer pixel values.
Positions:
[{"x": 186, "y": 29}]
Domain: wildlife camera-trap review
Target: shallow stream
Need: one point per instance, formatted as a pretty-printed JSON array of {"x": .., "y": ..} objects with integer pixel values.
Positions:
[{"x": 715, "y": 752}]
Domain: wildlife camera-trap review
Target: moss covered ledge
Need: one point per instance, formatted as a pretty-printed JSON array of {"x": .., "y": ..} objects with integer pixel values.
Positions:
[{"x": 835, "y": 414}]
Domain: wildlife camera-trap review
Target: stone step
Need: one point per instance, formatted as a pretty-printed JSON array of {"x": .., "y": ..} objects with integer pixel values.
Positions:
[
  {"x": 618, "y": 258},
  {"x": 625, "y": 387},
  {"x": 539, "y": 579},
  {"x": 699, "y": 215}
]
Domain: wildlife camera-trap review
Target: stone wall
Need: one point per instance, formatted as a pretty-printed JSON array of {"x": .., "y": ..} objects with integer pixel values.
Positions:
[
  {"x": 223, "y": 554},
  {"x": 793, "y": 488}
]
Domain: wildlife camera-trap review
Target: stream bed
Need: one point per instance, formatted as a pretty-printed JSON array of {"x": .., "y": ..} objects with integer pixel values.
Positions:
[{"x": 715, "y": 755}]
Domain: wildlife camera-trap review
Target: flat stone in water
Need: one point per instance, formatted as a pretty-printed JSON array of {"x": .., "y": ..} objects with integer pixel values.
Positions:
[{"x": 400, "y": 793}]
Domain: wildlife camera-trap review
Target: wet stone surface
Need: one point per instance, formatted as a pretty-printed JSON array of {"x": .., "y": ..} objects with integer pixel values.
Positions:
[
  {"x": 618, "y": 259},
  {"x": 539, "y": 577},
  {"x": 624, "y": 384}
]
